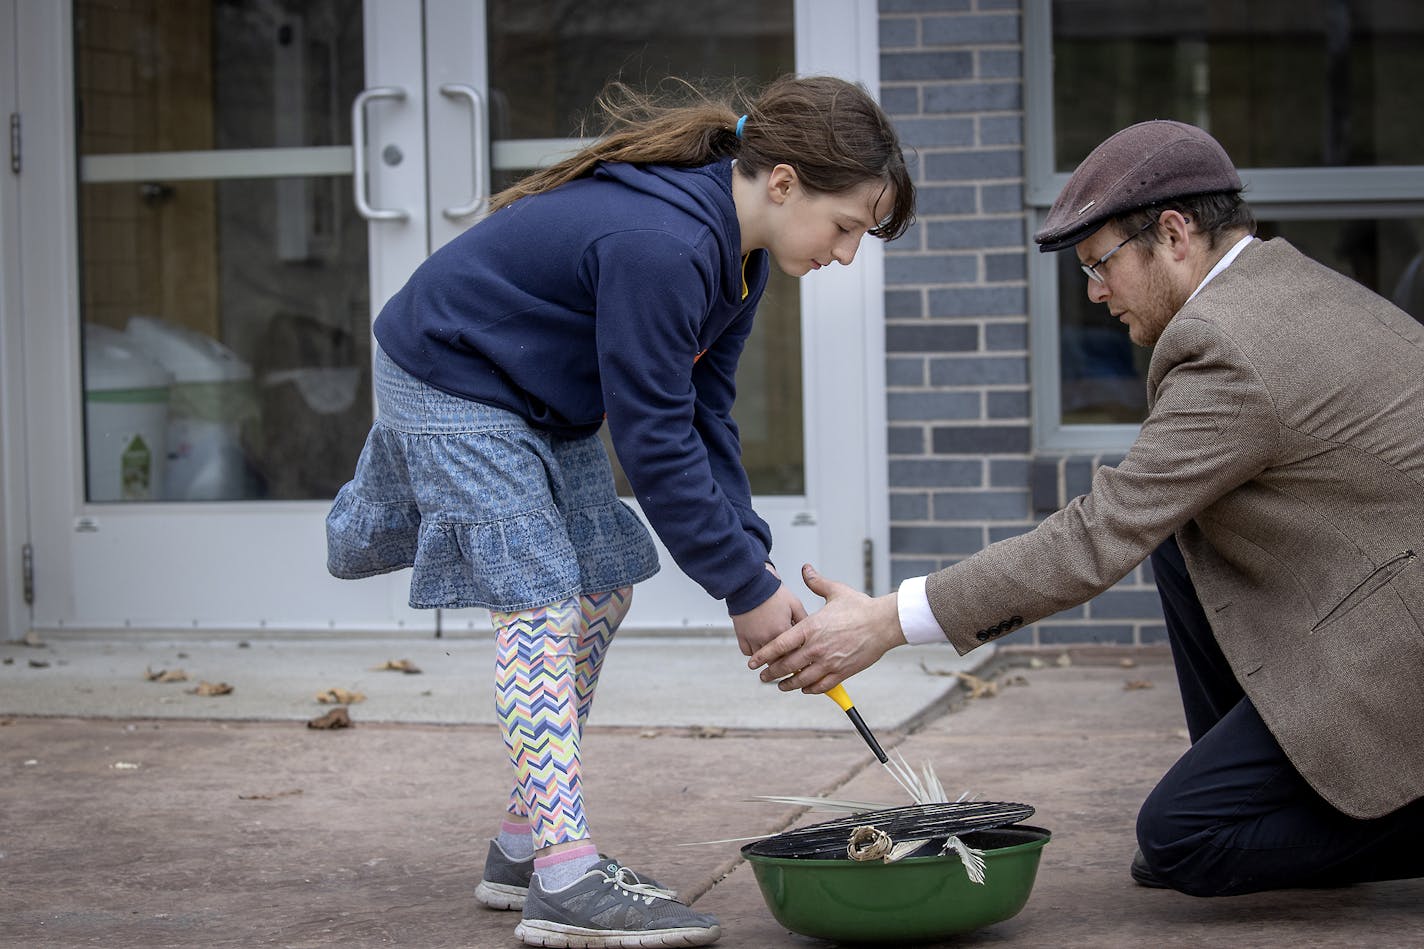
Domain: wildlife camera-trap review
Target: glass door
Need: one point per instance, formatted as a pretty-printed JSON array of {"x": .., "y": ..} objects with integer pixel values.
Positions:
[
  {"x": 544, "y": 63},
  {"x": 810, "y": 403},
  {"x": 238, "y": 186},
  {"x": 207, "y": 309},
  {"x": 223, "y": 282}
]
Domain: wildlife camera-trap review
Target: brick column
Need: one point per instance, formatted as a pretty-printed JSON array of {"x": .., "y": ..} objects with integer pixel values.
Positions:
[{"x": 961, "y": 463}]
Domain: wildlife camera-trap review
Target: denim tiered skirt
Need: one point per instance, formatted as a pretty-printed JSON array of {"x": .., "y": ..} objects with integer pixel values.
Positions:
[{"x": 487, "y": 510}]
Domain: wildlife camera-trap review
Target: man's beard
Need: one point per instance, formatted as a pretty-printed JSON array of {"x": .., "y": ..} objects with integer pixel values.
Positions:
[{"x": 1157, "y": 311}]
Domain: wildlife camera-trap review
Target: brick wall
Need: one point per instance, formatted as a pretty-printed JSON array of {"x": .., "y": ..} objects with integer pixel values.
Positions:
[{"x": 962, "y": 471}]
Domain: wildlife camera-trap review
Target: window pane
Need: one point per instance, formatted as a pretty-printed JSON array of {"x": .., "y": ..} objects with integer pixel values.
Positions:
[
  {"x": 1280, "y": 83},
  {"x": 226, "y": 321},
  {"x": 549, "y": 58},
  {"x": 158, "y": 76},
  {"x": 1104, "y": 374}
]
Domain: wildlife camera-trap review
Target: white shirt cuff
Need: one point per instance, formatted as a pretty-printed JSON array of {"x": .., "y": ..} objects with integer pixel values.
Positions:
[{"x": 917, "y": 621}]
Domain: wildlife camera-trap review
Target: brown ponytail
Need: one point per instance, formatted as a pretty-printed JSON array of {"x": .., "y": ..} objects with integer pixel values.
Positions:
[{"x": 830, "y": 130}]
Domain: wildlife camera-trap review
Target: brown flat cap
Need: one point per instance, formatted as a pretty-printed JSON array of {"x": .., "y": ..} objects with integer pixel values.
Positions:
[{"x": 1142, "y": 165}]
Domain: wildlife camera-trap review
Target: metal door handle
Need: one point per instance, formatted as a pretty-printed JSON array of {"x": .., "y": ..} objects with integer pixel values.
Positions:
[
  {"x": 358, "y": 154},
  {"x": 459, "y": 90}
]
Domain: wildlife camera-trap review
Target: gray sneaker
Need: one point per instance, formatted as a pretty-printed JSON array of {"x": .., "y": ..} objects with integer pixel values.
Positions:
[
  {"x": 603, "y": 910},
  {"x": 506, "y": 880}
]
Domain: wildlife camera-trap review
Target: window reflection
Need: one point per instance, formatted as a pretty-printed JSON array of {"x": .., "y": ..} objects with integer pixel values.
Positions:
[
  {"x": 1280, "y": 83},
  {"x": 550, "y": 58},
  {"x": 226, "y": 322}
]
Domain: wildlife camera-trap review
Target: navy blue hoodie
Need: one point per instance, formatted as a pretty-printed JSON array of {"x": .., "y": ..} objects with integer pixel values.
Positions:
[{"x": 619, "y": 294}]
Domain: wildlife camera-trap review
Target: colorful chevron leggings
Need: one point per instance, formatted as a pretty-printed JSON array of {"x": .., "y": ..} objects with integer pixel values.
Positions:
[{"x": 547, "y": 662}]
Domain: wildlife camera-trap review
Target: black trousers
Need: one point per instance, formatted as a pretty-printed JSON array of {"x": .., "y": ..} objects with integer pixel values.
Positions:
[{"x": 1233, "y": 815}]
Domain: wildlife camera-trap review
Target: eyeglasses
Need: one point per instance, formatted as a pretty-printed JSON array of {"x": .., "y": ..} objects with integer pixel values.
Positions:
[{"x": 1092, "y": 269}]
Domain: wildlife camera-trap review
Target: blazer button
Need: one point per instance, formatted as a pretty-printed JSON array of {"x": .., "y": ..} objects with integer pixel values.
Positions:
[
  {"x": 1017, "y": 621},
  {"x": 983, "y": 635}
]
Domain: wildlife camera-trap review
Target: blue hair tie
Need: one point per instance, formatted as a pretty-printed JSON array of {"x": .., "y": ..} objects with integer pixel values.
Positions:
[{"x": 741, "y": 124}]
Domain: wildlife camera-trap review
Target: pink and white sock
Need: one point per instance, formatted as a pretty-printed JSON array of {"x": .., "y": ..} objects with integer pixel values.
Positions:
[
  {"x": 514, "y": 839},
  {"x": 559, "y": 870}
]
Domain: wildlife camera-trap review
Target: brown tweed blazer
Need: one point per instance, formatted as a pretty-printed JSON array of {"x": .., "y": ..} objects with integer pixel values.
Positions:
[{"x": 1285, "y": 447}]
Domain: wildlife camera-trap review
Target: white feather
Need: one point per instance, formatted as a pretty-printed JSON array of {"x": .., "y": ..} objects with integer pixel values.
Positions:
[{"x": 972, "y": 859}]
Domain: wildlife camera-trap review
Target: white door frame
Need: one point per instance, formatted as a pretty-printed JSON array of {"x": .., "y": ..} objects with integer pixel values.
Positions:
[
  {"x": 845, "y": 497},
  {"x": 119, "y": 548},
  {"x": 14, "y": 515},
  {"x": 41, "y": 211},
  {"x": 847, "y": 383}
]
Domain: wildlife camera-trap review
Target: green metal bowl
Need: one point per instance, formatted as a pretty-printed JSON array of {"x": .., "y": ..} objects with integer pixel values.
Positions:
[{"x": 917, "y": 898}]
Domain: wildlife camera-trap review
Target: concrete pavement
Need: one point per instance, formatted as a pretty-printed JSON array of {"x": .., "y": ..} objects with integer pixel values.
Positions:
[
  {"x": 130, "y": 822},
  {"x": 648, "y": 679}
]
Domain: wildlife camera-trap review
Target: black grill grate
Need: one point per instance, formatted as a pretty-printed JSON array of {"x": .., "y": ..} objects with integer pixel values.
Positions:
[{"x": 912, "y": 822}]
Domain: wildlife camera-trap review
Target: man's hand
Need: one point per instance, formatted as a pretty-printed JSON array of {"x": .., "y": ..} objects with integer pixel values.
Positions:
[
  {"x": 850, "y": 633},
  {"x": 761, "y": 625}
]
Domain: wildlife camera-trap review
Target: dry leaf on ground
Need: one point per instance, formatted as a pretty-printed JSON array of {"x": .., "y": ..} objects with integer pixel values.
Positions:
[
  {"x": 1127, "y": 663},
  {"x": 978, "y": 688},
  {"x": 340, "y": 696},
  {"x": 336, "y": 718},
  {"x": 1063, "y": 661},
  {"x": 1132, "y": 684},
  {"x": 708, "y": 731},
  {"x": 210, "y": 688},
  {"x": 269, "y": 797},
  {"x": 165, "y": 675},
  {"x": 397, "y": 665}
]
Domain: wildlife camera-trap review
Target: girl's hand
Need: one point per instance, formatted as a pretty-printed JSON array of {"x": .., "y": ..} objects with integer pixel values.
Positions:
[
  {"x": 850, "y": 633},
  {"x": 760, "y": 626}
]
